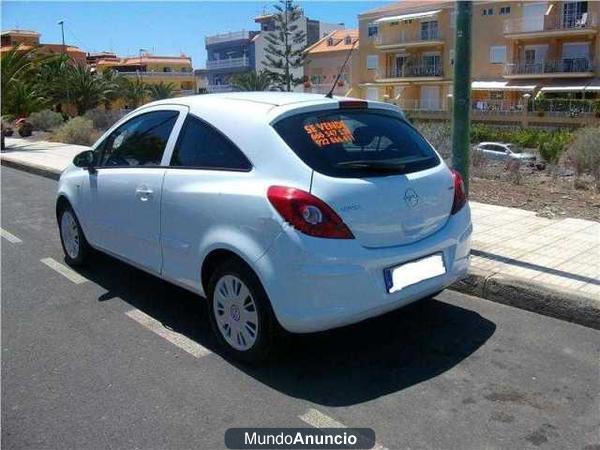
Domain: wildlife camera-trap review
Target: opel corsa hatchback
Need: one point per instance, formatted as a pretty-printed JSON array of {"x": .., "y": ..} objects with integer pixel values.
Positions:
[{"x": 291, "y": 211}]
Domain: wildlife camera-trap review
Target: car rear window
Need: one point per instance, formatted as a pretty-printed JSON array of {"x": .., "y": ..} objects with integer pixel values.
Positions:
[{"x": 356, "y": 143}]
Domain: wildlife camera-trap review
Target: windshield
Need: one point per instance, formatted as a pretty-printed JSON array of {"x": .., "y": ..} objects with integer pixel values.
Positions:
[{"x": 356, "y": 143}]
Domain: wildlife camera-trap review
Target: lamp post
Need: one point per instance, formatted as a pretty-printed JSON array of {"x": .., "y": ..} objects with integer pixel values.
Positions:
[
  {"x": 62, "y": 32},
  {"x": 140, "y": 71}
]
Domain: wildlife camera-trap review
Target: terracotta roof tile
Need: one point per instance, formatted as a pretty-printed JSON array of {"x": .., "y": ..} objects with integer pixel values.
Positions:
[{"x": 337, "y": 39}]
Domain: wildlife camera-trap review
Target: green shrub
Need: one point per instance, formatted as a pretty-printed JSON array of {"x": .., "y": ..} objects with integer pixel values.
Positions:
[
  {"x": 78, "y": 130},
  {"x": 45, "y": 120},
  {"x": 584, "y": 154},
  {"x": 25, "y": 129},
  {"x": 552, "y": 145},
  {"x": 103, "y": 119}
]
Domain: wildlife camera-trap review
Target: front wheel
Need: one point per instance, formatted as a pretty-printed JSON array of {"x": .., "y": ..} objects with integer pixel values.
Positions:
[
  {"x": 73, "y": 241},
  {"x": 240, "y": 312}
]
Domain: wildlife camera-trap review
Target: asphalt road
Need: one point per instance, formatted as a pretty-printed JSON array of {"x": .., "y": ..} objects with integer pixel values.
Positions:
[{"x": 78, "y": 371}]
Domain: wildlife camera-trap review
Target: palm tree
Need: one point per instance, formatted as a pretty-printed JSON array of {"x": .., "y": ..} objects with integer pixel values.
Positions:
[
  {"x": 23, "y": 99},
  {"x": 134, "y": 92},
  {"x": 113, "y": 83},
  {"x": 252, "y": 81},
  {"x": 160, "y": 90},
  {"x": 86, "y": 88},
  {"x": 51, "y": 79}
]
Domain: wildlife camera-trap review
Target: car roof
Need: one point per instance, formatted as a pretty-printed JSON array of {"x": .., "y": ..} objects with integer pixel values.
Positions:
[
  {"x": 267, "y": 98},
  {"x": 493, "y": 142}
]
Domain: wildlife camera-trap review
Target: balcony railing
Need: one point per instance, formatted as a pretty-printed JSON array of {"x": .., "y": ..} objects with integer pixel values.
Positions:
[
  {"x": 228, "y": 63},
  {"x": 423, "y": 105},
  {"x": 158, "y": 74},
  {"x": 216, "y": 88},
  {"x": 406, "y": 36},
  {"x": 496, "y": 107},
  {"x": 415, "y": 70},
  {"x": 226, "y": 37},
  {"x": 555, "y": 22},
  {"x": 566, "y": 65}
]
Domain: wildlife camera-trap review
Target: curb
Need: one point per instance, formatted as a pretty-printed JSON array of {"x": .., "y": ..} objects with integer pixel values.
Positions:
[
  {"x": 519, "y": 293},
  {"x": 32, "y": 168}
]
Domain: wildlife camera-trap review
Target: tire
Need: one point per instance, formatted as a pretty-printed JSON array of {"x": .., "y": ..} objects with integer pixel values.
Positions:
[
  {"x": 244, "y": 324},
  {"x": 74, "y": 244}
]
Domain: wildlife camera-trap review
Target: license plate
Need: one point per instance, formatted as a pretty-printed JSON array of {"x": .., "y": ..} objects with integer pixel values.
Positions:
[{"x": 404, "y": 275}]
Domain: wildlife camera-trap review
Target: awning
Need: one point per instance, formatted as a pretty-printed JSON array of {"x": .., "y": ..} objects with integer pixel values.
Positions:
[
  {"x": 501, "y": 86},
  {"x": 573, "y": 86},
  {"x": 420, "y": 15}
]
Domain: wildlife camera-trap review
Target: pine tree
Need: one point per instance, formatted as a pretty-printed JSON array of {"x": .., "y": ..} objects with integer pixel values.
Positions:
[{"x": 286, "y": 45}]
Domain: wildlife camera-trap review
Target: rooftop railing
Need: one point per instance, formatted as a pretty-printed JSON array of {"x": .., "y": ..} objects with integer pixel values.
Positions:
[
  {"x": 565, "y": 65},
  {"x": 226, "y": 37},
  {"x": 228, "y": 63},
  {"x": 408, "y": 36},
  {"x": 158, "y": 73},
  {"x": 554, "y": 22}
]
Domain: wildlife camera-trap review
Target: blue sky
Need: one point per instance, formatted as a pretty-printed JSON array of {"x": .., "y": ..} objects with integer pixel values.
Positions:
[{"x": 160, "y": 27}]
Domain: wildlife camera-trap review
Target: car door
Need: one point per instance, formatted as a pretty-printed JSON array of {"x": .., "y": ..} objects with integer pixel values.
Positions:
[
  {"x": 124, "y": 191},
  {"x": 203, "y": 198}
]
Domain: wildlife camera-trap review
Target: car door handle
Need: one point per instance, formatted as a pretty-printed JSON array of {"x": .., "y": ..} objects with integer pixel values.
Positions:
[{"x": 143, "y": 193}]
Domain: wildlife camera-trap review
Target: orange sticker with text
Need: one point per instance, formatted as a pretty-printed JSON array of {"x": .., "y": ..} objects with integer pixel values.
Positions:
[{"x": 328, "y": 133}]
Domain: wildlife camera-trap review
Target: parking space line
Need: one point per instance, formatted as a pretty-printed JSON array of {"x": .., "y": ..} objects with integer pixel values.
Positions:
[
  {"x": 65, "y": 271},
  {"x": 181, "y": 341},
  {"x": 9, "y": 236},
  {"x": 319, "y": 420}
]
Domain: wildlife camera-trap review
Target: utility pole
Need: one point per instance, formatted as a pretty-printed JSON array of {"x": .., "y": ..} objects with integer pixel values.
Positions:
[
  {"x": 140, "y": 72},
  {"x": 461, "y": 111}
]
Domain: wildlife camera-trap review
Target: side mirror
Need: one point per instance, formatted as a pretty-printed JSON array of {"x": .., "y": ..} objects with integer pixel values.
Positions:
[{"x": 85, "y": 160}]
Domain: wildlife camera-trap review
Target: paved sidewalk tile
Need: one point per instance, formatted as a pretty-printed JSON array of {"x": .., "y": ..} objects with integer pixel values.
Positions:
[{"x": 561, "y": 254}]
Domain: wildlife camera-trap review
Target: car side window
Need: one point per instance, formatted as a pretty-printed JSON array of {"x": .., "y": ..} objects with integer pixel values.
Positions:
[
  {"x": 202, "y": 146},
  {"x": 139, "y": 142}
]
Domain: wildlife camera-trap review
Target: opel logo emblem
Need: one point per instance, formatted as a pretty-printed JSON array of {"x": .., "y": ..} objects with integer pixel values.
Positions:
[{"x": 411, "y": 198}]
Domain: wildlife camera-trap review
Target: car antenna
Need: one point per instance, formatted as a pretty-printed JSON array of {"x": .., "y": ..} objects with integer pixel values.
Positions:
[{"x": 330, "y": 93}]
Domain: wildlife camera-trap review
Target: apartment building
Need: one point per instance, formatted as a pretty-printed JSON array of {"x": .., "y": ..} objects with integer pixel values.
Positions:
[
  {"x": 27, "y": 39},
  {"x": 532, "y": 61},
  {"x": 154, "y": 69},
  {"x": 228, "y": 54},
  {"x": 314, "y": 30},
  {"x": 324, "y": 60}
]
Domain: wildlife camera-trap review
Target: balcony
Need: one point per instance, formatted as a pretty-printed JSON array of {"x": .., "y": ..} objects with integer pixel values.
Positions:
[
  {"x": 158, "y": 74},
  {"x": 414, "y": 71},
  {"x": 569, "y": 68},
  {"x": 549, "y": 26},
  {"x": 406, "y": 38},
  {"x": 229, "y": 63},
  {"x": 227, "y": 37}
]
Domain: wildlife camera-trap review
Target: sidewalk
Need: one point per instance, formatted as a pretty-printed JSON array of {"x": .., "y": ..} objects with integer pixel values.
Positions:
[{"x": 551, "y": 266}]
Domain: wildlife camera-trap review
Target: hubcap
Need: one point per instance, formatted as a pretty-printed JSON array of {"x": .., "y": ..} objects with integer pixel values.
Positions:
[
  {"x": 235, "y": 312},
  {"x": 70, "y": 234}
]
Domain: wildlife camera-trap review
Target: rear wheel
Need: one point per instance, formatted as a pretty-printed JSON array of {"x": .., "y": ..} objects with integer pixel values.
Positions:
[
  {"x": 240, "y": 312},
  {"x": 73, "y": 241}
]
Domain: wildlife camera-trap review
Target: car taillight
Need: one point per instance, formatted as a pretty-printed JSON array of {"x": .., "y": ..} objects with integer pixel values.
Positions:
[
  {"x": 307, "y": 213},
  {"x": 460, "y": 196}
]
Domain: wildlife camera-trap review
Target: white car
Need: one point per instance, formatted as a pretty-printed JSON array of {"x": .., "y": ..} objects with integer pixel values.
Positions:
[
  {"x": 283, "y": 210},
  {"x": 503, "y": 152}
]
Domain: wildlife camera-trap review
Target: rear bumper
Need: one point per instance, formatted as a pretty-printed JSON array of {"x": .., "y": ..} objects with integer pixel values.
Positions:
[{"x": 316, "y": 284}]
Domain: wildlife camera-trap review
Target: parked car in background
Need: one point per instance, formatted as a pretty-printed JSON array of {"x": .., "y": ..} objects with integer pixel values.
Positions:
[
  {"x": 504, "y": 152},
  {"x": 283, "y": 210}
]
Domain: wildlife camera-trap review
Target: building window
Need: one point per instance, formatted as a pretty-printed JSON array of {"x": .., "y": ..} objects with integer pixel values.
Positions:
[
  {"x": 487, "y": 12},
  {"x": 348, "y": 40},
  {"x": 372, "y": 62},
  {"x": 498, "y": 54},
  {"x": 372, "y": 30},
  {"x": 330, "y": 42},
  {"x": 505, "y": 10}
]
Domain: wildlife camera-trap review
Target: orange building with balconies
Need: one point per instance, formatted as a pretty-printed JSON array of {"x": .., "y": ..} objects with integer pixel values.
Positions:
[
  {"x": 531, "y": 61},
  {"x": 26, "y": 39}
]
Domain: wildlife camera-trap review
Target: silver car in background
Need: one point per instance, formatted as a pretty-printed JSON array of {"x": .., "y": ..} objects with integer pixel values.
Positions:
[{"x": 503, "y": 152}]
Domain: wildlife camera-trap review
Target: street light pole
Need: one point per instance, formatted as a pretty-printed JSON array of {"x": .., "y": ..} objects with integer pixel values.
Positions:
[
  {"x": 62, "y": 31},
  {"x": 461, "y": 111},
  {"x": 140, "y": 71}
]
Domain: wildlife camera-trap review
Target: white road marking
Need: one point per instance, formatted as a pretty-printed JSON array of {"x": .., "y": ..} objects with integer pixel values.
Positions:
[
  {"x": 181, "y": 341},
  {"x": 9, "y": 236},
  {"x": 65, "y": 271},
  {"x": 319, "y": 420}
]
